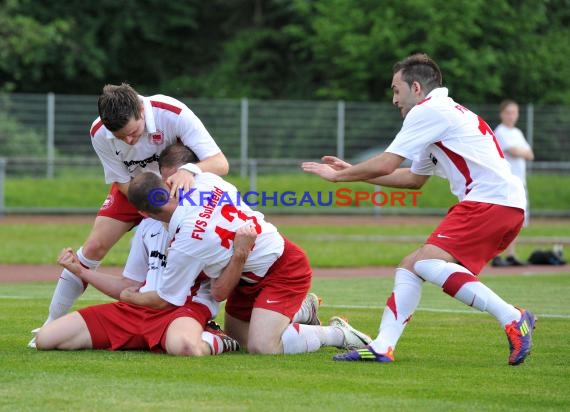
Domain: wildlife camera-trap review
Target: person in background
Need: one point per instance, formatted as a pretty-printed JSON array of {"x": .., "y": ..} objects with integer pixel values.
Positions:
[{"x": 517, "y": 151}]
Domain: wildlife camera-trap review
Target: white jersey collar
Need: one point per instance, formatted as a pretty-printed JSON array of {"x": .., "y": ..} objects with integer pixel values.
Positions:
[
  {"x": 148, "y": 115},
  {"x": 439, "y": 92}
]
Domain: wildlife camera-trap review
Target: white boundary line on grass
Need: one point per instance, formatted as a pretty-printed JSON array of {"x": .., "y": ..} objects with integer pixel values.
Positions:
[{"x": 421, "y": 309}]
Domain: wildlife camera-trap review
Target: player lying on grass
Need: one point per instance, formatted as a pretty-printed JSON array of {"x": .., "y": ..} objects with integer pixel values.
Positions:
[
  {"x": 262, "y": 300},
  {"x": 442, "y": 137}
]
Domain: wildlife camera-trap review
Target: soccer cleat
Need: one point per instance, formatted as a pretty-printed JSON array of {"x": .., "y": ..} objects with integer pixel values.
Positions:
[
  {"x": 519, "y": 335},
  {"x": 229, "y": 343},
  {"x": 353, "y": 339},
  {"x": 309, "y": 310},
  {"x": 366, "y": 354},
  {"x": 32, "y": 343}
]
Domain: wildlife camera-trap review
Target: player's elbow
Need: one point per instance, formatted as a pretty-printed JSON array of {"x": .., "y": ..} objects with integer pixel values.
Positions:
[
  {"x": 221, "y": 164},
  {"x": 220, "y": 294}
]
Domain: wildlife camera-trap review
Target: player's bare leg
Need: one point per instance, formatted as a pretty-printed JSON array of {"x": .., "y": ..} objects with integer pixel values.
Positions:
[
  {"x": 184, "y": 338},
  {"x": 265, "y": 330},
  {"x": 69, "y": 332},
  {"x": 237, "y": 329}
]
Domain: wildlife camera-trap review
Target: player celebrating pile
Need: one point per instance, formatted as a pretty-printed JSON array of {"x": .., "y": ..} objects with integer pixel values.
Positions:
[
  {"x": 443, "y": 138},
  {"x": 128, "y": 136},
  {"x": 273, "y": 280}
]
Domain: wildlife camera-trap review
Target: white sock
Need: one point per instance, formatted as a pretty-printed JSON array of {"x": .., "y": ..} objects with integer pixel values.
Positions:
[
  {"x": 460, "y": 283},
  {"x": 214, "y": 342},
  {"x": 301, "y": 316},
  {"x": 398, "y": 311},
  {"x": 69, "y": 287},
  {"x": 328, "y": 335},
  {"x": 299, "y": 338}
]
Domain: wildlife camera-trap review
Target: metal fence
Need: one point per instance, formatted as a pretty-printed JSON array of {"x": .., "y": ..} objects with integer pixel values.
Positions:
[{"x": 41, "y": 134}]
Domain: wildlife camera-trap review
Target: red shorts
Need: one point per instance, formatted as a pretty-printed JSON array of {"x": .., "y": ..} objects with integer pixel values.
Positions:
[
  {"x": 281, "y": 290},
  {"x": 118, "y": 207},
  {"x": 475, "y": 232},
  {"x": 123, "y": 326}
]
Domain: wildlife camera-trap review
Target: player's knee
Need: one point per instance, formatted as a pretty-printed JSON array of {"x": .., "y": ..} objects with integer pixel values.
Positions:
[
  {"x": 95, "y": 249},
  {"x": 45, "y": 341},
  {"x": 408, "y": 262},
  {"x": 264, "y": 346},
  {"x": 185, "y": 346}
]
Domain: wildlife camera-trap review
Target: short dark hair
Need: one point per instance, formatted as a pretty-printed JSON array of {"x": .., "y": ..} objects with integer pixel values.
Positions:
[
  {"x": 117, "y": 105},
  {"x": 419, "y": 67},
  {"x": 143, "y": 195},
  {"x": 176, "y": 155},
  {"x": 505, "y": 103}
]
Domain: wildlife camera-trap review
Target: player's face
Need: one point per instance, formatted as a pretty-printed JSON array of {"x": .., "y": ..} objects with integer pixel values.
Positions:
[
  {"x": 132, "y": 132},
  {"x": 405, "y": 97},
  {"x": 510, "y": 115}
]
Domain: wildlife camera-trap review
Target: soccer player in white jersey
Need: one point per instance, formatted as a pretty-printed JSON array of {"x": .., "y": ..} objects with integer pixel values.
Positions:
[
  {"x": 443, "y": 138},
  {"x": 263, "y": 298},
  {"x": 517, "y": 152},
  {"x": 119, "y": 325},
  {"x": 128, "y": 136}
]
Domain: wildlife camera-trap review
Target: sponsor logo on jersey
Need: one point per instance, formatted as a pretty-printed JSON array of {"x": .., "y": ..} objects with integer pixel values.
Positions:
[
  {"x": 160, "y": 256},
  {"x": 142, "y": 163}
]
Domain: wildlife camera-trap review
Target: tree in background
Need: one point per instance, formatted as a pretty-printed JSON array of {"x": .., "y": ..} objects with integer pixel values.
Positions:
[{"x": 286, "y": 49}]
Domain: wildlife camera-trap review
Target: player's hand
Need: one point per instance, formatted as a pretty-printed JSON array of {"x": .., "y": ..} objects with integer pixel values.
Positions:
[
  {"x": 325, "y": 171},
  {"x": 244, "y": 241},
  {"x": 182, "y": 179},
  {"x": 69, "y": 260},
  {"x": 335, "y": 162}
]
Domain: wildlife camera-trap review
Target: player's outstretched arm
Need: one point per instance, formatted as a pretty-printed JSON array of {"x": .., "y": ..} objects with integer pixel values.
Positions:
[
  {"x": 227, "y": 281},
  {"x": 381, "y": 165},
  {"x": 402, "y": 178},
  {"x": 110, "y": 285}
]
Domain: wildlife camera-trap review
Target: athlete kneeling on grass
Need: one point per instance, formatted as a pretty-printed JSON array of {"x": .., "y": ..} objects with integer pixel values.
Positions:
[{"x": 276, "y": 276}]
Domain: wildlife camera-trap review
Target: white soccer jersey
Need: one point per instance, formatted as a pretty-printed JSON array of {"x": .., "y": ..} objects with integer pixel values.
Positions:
[
  {"x": 203, "y": 228},
  {"x": 444, "y": 138},
  {"x": 511, "y": 137},
  {"x": 167, "y": 120},
  {"x": 147, "y": 261}
]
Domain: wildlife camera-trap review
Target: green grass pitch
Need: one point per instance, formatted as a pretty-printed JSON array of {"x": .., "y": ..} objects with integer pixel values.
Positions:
[{"x": 450, "y": 358}]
